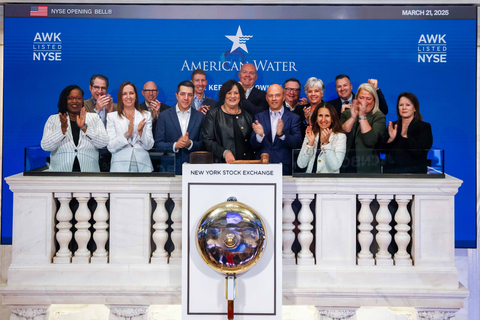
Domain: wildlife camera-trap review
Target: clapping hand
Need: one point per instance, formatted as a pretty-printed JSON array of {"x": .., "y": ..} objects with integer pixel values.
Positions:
[
  {"x": 155, "y": 105},
  {"x": 141, "y": 125},
  {"x": 182, "y": 142},
  {"x": 310, "y": 136},
  {"x": 280, "y": 128},
  {"x": 63, "y": 122},
  {"x": 204, "y": 109},
  {"x": 258, "y": 128},
  {"x": 130, "y": 127},
  {"x": 325, "y": 136},
  {"x": 81, "y": 117},
  {"x": 354, "y": 109},
  {"x": 302, "y": 101},
  {"x": 307, "y": 111},
  {"x": 392, "y": 132},
  {"x": 345, "y": 107}
]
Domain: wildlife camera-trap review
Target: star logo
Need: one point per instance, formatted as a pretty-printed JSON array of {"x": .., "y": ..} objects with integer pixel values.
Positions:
[{"x": 239, "y": 40}]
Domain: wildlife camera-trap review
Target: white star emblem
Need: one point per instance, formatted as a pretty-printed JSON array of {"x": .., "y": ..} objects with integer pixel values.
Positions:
[{"x": 239, "y": 40}]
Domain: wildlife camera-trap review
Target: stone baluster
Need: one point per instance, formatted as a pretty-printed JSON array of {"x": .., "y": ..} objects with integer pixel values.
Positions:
[
  {"x": 383, "y": 257},
  {"x": 288, "y": 236},
  {"x": 64, "y": 234},
  {"x": 177, "y": 229},
  {"x": 436, "y": 314},
  {"x": 305, "y": 237},
  {"x": 83, "y": 234},
  {"x": 100, "y": 235},
  {"x": 402, "y": 238},
  {"x": 365, "y": 237},
  {"x": 160, "y": 235}
]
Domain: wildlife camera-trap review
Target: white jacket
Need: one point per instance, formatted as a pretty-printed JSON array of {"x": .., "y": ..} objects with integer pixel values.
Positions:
[
  {"x": 122, "y": 149},
  {"x": 63, "y": 150},
  {"x": 330, "y": 158}
]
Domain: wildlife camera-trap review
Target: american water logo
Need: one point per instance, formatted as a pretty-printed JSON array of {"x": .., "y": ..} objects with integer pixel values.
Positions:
[
  {"x": 233, "y": 58},
  {"x": 432, "y": 48},
  {"x": 47, "y": 46}
]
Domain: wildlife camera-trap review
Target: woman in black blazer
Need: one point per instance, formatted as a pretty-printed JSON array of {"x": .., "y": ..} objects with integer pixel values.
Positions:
[{"x": 409, "y": 138}]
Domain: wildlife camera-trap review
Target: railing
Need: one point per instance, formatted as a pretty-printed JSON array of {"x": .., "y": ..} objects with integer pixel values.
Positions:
[{"x": 117, "y": 241}]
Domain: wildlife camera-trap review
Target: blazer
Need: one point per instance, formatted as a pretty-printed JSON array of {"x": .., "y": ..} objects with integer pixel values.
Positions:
[
  {"x": 90, "y": 107},
  {"x": 382, "y": 103},
  {"x": 218, "y": 134},
  {"x": 63, "y": 150},
  {"x": 122, "y": 149},
  {"x": 330, "y": 158},
  {"x": 163, "y": 107},
  {"x": 408, "y": 155},
  {"x": 169, "y": 131},
  {"x": 279, "y": 151}
]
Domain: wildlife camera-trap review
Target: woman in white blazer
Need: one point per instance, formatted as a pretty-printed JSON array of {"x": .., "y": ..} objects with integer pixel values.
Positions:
[
  {"x": 73, "y": 136},
  {"x": 325, "y": 134},
  {"x": 129, "y": 133}
]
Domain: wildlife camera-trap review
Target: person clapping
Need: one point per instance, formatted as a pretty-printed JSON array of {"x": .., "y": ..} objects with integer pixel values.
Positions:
[{"x": 73, "y": 136}]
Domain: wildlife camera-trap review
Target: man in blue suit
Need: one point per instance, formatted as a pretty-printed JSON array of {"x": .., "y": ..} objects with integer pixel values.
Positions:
[
  {"x": 179, "y": 128},
  {"x": 276, "y": 131}
]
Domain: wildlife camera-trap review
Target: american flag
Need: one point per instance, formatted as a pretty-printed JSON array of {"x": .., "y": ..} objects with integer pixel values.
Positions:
[{"x": 38, "y": 11}]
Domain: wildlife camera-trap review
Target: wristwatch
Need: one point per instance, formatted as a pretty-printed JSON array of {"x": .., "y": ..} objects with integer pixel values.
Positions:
[
  {"x": 362, "y": 118},
  {"x": 84, "y": 127}
]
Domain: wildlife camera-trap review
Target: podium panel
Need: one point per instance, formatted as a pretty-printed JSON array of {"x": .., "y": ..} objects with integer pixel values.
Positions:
[{"x": 258, "y": 290}]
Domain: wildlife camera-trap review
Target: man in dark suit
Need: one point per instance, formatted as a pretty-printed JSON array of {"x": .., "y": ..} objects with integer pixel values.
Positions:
[
  {"x": 150, "y": 93},
  {"x": 201, "y": 102},
  {"x": 100, "y": 102},
  {"x": 248, "y": 75},
  {"x": 276, "y": 131},
  {"x": 344, "y": 88},
  {"x": 179, "y": 128}
]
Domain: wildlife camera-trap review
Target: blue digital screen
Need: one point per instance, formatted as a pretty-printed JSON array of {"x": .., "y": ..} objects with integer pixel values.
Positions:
[{"x": 432, "y": 56}]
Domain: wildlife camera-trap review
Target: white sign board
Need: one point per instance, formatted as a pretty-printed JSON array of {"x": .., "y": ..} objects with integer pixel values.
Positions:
[{"x": 259, "y": 290}]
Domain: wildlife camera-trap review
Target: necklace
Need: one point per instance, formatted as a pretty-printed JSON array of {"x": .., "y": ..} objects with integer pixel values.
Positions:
[{"x": 232, "y": 114}]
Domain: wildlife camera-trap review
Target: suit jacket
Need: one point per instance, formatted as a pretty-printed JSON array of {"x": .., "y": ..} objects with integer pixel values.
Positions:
[
  {"x": 168, "y": 131},
  {"x": 330, "y": 158},
  {"x": 255, "y": 103},
  {"x": 90, "y": 107},
  {"x": 122, "y": 149},
  {"x": 382, "y": 103},
  {"x": 63, "y": 149},
  {"x": 408, "y": 155},
  {"x": 279, "y": 151},
  {"x": 163, "y": 107}
]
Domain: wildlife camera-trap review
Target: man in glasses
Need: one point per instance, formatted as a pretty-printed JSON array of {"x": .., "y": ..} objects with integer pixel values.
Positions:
[
  {"x": 344, "y": 89},
  {"x": 100, "y": 102},
  {"x": 150, "y": 93},
  {"x": 201, "y": 102},
  {"x": 292, "y": 88}
]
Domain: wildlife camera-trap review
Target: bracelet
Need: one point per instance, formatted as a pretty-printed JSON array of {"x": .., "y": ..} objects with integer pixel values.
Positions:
[
  {"x": 226, "y": 152},
  {"x": 84, "y": 127}
]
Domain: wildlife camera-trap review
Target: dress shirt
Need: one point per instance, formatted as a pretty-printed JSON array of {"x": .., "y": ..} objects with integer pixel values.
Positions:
[
  {"x": 183, "y": 119},
  {"x": 247, "y": 92},
  {"x": 349, "y": 101},
  {"x": 197, "y": 103},
  {"x": 274, "y": 116},
  {"x": 290, "y": 107},
  {"x": 100, "y": 113}
]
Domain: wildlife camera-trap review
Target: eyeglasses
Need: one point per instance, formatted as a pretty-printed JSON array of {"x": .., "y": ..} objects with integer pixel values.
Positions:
[
  {"x": 150, "y": 90},
  {"x": 291, "y": 89},
  {"x": 69, "y": 98},
  {"x": 100, "y": 88}
]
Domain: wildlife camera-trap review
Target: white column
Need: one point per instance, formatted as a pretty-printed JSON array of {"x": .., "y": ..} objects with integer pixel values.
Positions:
[
  {"x": 365, "y": 237},
  {"x": 383, "y": 257},
  {"x": 176, "y": 255},
  {"x": 305, "y": 237},
  {"x": 402, "y": 238},
  {"x": 64, "y": 234},
  {"x": 100, "y": 235},
  {"x": 288, "y": 235},
  {"x": 160, "y": 235},
  {"x": 82, "y": 235}
]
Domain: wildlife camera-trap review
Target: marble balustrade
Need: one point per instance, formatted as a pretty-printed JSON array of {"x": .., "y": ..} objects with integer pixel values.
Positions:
[{"x": 376, "y": 242}]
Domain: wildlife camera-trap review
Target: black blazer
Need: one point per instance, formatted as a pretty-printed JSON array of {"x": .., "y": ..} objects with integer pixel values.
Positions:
[
  {"x": 218, "y": 134},
  {"x": 408, "y": 155}
]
